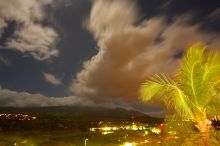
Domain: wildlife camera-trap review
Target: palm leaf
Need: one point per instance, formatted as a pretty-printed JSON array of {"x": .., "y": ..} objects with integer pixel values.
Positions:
[
  {"x": 163, "y": 89},
  {"x": 195, "y": 92},
  {"x": 191, "y": 71},
  {"x": 210, "y": 78},
  {"x": 212, "y": 108},
  {"x": 212, "y": 68},
  {"x": 174, "y": 123}
]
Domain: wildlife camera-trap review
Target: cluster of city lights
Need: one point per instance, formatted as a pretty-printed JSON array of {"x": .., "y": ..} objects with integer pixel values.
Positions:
[
  {"x": 22, "y": 117},
  {"x": 129, "y": 144},
  {"x": 133, "y": 127},
  {"x": 155, "y": 130},
  {"x": 135, "y": 143}
]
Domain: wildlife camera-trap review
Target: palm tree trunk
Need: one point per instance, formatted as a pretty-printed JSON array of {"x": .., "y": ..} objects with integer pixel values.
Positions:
[
  {"x": 204, "y": 128},
  {"x": 205, "y": 137}
]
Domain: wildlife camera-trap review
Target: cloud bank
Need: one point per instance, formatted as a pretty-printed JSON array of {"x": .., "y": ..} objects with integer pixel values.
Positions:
[
  {"x": 30, "y": 34},
  {"x": 25, "y": 99},
  {"x": 10, "y": 98},
  {"x": 131, "y": 50}
]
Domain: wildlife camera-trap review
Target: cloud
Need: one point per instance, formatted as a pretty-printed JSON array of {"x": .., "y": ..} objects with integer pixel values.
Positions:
[
  {"x": 50, "y": 78},
  {"x": 5, "y": 61},
  {"x": 25, "y": 99},
  {"x": 167, "y": 4},
  {"x": 215, "y": 14},
  {"x": 30, "y": 34},
  {"x": 10, "y": 98},
  {"x": 130, "y": 51}
]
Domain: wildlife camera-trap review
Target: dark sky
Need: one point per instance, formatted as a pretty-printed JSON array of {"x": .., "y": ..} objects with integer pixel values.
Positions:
[
  {"x": 20, "y": 71},
  {"x": 75, "y": 46}
]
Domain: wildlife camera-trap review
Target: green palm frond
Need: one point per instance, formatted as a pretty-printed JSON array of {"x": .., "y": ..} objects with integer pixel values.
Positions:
[
  {"x": 212, "y": 68},
  {"x": 152, "y": 87},
  {"x": 167, "y": 91},
  {"x": 195, "y": 92},
  {"x": 191, "y": 72},
  {"x": 174, "y": 123},
  {"x": 213, "y": 106}
]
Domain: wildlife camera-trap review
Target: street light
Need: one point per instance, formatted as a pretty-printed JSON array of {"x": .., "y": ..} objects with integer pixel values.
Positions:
[{"x": 86, "y": 141}]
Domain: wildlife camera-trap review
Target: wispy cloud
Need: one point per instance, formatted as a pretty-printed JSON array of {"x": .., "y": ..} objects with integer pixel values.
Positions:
[
  {"x": 5, "y": 61},
  {"x": 166, "y": 4},
  {"x": 50, "y": 78},
  {"x": 215, "y": 14},
  {"x": 30, "y": 35}
]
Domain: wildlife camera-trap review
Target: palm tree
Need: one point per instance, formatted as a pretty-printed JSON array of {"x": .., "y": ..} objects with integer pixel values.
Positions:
[{"x": 194, "y": 93}]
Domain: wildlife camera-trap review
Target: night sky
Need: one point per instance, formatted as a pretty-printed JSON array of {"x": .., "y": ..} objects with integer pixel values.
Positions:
[{"x": 96, "y": 52}]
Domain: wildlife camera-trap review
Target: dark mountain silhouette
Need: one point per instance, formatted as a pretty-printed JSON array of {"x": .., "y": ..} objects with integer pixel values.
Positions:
[{"x": 79, "y": 112}]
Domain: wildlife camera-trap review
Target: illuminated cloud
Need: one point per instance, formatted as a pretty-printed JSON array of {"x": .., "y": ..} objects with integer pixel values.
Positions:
[
  {"x": 25, "y": 99},
  {"x": 50, "y": 78},
  {"x": 130, "y": 51},
  {"x": 10, "y": 98},
  {"x": 30, "y": 35}
]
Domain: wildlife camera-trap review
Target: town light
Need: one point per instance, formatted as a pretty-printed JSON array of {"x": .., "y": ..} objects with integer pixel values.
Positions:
[
  {"x": 86, "y": 141},
  {"x": 129, "y": 144}
]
